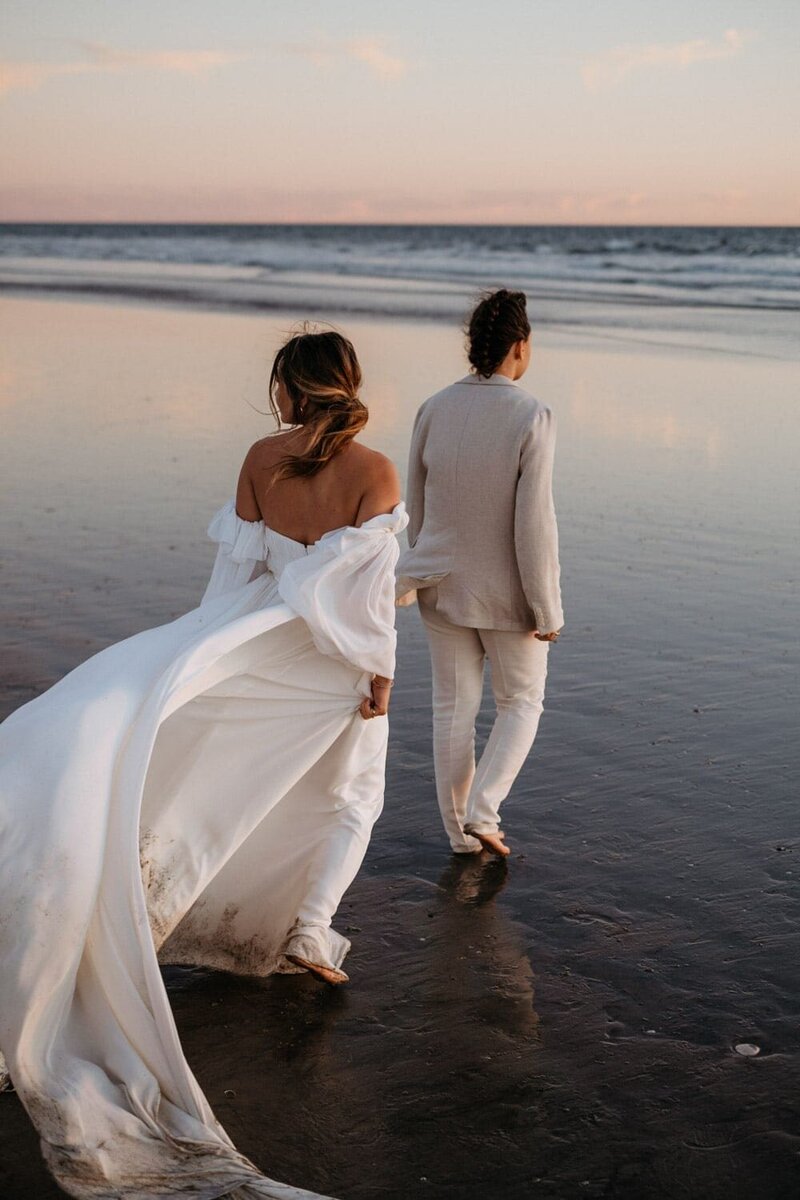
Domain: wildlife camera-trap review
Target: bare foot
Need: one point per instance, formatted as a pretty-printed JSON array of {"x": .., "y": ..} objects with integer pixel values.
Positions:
[
  {"x": 493, "y": 842},
  {"x": 326, "y": 974}
]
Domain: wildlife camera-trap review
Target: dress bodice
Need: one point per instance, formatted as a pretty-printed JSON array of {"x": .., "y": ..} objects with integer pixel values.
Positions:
[
  {"x": 281, "y": 550},
  {"x": 252, "y": 548},
  {"x": 342, "y": 586}
]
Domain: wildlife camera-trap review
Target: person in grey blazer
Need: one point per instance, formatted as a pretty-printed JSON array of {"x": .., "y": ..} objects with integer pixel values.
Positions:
[{"x": 483, "y": 560}]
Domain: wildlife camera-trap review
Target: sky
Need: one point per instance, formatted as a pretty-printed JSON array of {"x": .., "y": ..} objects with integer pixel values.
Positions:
[{"x": 511, "y": 111}]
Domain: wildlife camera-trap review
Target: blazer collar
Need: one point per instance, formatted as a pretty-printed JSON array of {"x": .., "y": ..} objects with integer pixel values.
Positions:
[{"x": 492, "y": 381}]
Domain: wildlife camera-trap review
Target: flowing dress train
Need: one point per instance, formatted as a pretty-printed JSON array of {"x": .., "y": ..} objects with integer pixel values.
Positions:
[{"x": 200, "y": 793}]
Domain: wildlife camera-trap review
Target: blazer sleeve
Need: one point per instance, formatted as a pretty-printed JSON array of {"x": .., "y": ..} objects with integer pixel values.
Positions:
[
  {"x": 415, "y": 484},
  {"x": 535, "y": 529}
]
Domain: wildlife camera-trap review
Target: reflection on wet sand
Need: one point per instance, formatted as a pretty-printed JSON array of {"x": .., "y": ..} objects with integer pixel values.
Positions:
[
  {"x": 403, "y": 1075},
  {"x": 613, "y": 418},
  {"x": 483, "y": 953}
]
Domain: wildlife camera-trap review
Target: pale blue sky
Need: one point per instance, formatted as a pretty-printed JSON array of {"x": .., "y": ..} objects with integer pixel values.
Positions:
[{"x": 556, "y": 110}]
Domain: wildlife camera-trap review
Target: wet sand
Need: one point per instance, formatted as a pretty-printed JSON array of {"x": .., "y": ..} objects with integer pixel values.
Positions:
[{"x": 564, "y": 1027}]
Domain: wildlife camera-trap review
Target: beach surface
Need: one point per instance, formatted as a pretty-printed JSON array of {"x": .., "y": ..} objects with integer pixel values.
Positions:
[{"x": 564, "y": 1025}]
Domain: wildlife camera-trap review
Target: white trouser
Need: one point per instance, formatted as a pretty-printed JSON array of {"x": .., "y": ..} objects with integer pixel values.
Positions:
[{"x": 518, "y": 664}]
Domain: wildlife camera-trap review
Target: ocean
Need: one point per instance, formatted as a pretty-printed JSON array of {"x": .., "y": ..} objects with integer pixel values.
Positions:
[{"x": 414, "y": 270}]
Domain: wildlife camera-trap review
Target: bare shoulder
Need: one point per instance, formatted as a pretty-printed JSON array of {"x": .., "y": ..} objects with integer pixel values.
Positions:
[
  {"x": 379, "y": 483},
  {"x": 266, "y": 450},
  {"x": 374, "y": 468}
]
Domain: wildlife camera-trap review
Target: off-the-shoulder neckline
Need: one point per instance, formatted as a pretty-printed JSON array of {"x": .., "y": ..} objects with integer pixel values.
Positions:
[{"x": 397, "y": 511}]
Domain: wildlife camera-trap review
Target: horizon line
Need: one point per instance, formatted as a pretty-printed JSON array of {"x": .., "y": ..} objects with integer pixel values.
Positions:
[{"x": 417, "y": 224}]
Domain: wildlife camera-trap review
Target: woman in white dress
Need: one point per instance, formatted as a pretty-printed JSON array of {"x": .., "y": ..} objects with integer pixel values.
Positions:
[{"x": 204, "y": 792}]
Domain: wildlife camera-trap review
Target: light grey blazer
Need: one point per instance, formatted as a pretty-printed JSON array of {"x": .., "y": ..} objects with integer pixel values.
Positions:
[{"x": 482, "y": 526}]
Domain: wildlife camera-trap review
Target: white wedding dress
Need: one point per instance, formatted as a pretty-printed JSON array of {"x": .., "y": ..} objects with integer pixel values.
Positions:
[{"x": 204, "y": 790}]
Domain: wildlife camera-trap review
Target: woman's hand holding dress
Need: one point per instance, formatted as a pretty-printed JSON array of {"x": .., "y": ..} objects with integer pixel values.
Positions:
[{"x": 377, "y": 703}]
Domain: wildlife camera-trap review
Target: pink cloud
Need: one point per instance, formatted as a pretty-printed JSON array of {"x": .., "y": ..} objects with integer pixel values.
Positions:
[
  {"x": 611, "y": 67},
  {"x": 371, "y": 52},
  {"x": 25, "y": 76}
]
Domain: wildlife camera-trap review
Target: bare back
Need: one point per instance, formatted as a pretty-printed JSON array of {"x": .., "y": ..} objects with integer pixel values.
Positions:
[{"x": 356, "y": 485}]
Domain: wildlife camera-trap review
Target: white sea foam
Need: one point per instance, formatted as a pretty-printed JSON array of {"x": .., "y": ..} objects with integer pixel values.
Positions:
[
  {"x": 740, "y": 260},
  {"x": 643, "y": 278}
]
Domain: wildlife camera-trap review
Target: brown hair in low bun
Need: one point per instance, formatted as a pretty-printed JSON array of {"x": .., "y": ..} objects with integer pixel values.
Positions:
[
  {"x": 322, "y": 375},
  {"x": 498, "y": 321}
]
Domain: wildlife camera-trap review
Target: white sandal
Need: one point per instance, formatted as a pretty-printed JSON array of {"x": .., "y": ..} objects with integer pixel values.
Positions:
[{"x": 326, "y": 974}]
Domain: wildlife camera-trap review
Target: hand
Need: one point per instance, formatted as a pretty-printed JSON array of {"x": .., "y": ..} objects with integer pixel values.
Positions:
[
  {"x": 547, "y": 637},
  {"x": 377, "y": 703}
]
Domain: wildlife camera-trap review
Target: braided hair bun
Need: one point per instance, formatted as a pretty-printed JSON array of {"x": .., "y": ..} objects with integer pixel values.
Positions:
[{"x": 497, "y": 322}]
